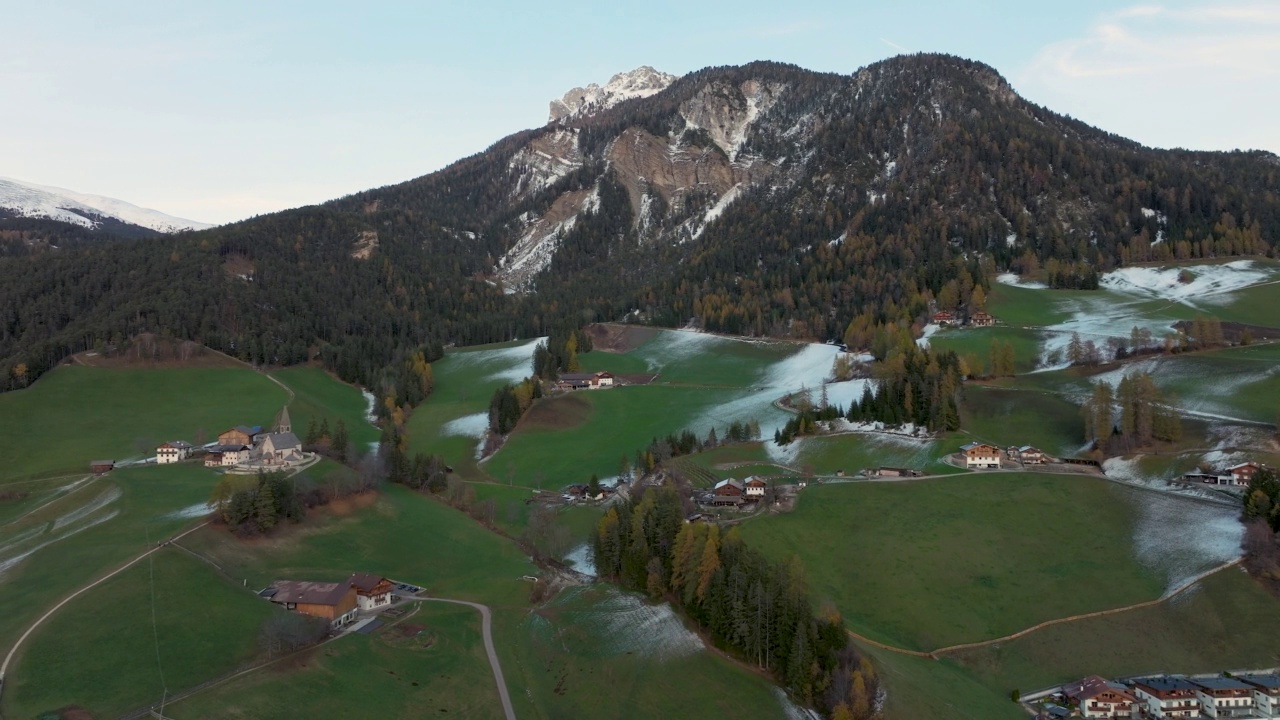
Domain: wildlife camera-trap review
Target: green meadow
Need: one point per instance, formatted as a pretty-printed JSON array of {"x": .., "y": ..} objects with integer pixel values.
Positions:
[
  {"x": 168, "y": 623},
  {"x": 930, "y": 563},
  {"x": 430, "y": 664},
  {"x": 77, "y": 414},
  {"x": 320, "y": 396}
]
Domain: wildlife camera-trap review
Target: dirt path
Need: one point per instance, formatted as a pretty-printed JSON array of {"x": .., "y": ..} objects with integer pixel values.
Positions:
[
  {"x": 936, "y": 654},
  {"x": 4, "y": 667},
  {"x": 487, "y": 628}
]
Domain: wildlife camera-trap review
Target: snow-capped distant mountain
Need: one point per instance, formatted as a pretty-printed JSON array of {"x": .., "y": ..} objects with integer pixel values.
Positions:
[
  {"x": 641, "y": 82},
  {"x": 26, "y": 199}
]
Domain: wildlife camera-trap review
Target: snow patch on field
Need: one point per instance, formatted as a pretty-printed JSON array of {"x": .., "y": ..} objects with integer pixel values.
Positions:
[
  {"x": 195, "y": 510},
  {"x": 927, "y": 332},
  {"x": 472, "y": 426},
  {"x": 1164, "y": 283},
  {"x": 582, "y": 559},
  {"x": 1014, "y": 280},
  {"x": 624, "y": 623},
  {"x": 11, "y": 554},
  {"x": 790, "y": 710},
  {"x": 102, "y": 500},
  {"x": 1181, "y": 538},
  {"x": 510, "y": 364}
]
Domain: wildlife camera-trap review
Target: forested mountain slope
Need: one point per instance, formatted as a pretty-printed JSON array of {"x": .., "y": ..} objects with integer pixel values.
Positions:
[{"x": 763, "y": 199}]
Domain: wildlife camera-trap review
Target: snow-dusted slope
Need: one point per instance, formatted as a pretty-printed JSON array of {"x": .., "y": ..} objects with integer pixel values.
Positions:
[
  {"x": 641, "y": 82},
  {"x": 41, "y": 201}
]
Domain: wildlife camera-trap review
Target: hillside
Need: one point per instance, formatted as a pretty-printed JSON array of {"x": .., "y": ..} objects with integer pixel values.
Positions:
[
  {"x": 29, "y": 200},
  {"x": 762, "y": 199}
]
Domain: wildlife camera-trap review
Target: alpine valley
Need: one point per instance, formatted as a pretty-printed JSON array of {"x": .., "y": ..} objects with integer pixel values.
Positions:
[{"x": 763, "y": 200}]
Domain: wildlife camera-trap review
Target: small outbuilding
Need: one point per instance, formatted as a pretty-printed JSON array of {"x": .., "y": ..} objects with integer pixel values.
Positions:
[{"x": 99, "y": 467}]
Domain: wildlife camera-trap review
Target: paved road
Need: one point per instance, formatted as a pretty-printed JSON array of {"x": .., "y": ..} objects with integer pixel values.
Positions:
[{"x": 487, "y": 628}]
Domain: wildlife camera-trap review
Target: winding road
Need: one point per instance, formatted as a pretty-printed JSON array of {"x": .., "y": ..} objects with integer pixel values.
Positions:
[{"x": 487, "y": 630}]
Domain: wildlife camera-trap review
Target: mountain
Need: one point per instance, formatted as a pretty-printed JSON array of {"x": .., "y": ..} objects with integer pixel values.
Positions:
[
  {"x": 763, "y": 199},
  {"x": 28, "y": 200},
  {"x": 639, "y": 83}
]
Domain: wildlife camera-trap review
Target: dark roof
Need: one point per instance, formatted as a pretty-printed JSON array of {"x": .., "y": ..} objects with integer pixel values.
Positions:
[
  {"x": 365, "y": 582},
  {"x": 1220, "y": 683},
  {"x": 284, "y": 440},
  {"x": 179, "y": 444},
  {"x": 1270, "y": 682},
  {"x": 249, "y": 430},
  {"x": 310, "y": 593},
  {"x": 228, "y": 448},
  {"x": 102, "y": 462},
  {"x": 1090, "y": 687},
  {"x": 1165, "y": 684}
]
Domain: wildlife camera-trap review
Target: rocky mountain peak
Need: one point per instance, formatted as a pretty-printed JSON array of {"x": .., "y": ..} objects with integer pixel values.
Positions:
[{"x": 641, "y": 82}]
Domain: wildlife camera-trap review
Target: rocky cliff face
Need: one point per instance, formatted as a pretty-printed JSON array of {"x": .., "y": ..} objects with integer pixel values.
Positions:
[
  {"x": 641, "y": 82},
  {"x": 677, "y": 183}
]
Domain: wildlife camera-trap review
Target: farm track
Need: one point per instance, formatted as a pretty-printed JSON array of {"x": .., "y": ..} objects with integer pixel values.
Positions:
[
  {"x": 4, "y": 667},
  {"x": 938, "y": 653}
]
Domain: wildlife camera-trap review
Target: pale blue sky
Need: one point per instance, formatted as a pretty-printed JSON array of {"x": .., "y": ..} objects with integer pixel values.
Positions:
[{"x": 218, "y": 111}]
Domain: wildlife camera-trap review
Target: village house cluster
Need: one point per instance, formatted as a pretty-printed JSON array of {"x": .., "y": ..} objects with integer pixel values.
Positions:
[
  {"x": 977, "y": 319},
  {"x": 734, "y": 492},
  {"x": 1236, "y": 475},
  {"x": 586, "y": 381},
  {"x": 1241, "y": 695},
  {"x": 985, "y": 456},
  {"x": 340, "y": 603}
]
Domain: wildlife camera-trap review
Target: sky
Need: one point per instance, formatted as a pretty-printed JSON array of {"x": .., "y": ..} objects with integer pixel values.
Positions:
[{"x": 220, "y": 111}]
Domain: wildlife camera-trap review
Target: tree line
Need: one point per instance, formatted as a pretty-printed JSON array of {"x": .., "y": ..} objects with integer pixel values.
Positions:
[
  {"x": 1145, "y": 415},
  {"x": 756, "y": 609}
]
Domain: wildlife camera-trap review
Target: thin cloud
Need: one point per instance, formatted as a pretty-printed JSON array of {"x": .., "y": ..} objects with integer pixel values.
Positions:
[
  {"x": 894, "y": 45},
  {"x": 1168, "y": 77}
]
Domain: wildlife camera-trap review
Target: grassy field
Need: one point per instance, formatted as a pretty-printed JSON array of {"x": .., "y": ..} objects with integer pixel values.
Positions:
[
  {"x": 85, "y": 532},
  {"x": 977, "y": 342},
  {"x": 1007, "y": 416},
  {"x": 319, "y": 396},
  {"x": 77, "y": 414},
  {"x": 597, "y": 653},
  {"x": 826, "y": 455},
  {"x": 930, "y": 563},
  {"x": 398, "y": 533},
  {"x": 465, "y": 380},
  {"x": 102, "y": 651},
  {"x": 1228, "y": 622},
  {"x": 441, "y": 672},
  {"x": 567, "y": 438}
]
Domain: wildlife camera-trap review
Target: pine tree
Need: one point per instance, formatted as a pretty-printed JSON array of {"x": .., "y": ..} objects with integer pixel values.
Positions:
[{"x": 339, "y": 446}]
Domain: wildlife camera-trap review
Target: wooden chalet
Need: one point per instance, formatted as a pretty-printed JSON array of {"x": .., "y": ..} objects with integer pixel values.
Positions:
[
  {"x": 226, "y": 455},
  {"x": 755, "y": 486},
  {"x": 944, "y": 317},
  {"x": 173, "y": 451},
  {"x": 585, "y": 381},
  {"x": 981, "y": 319},
  {"x": 885, "y": 471},
  {"x": 1098, "y": 698},
  {"x": 728, "y": 492},
  {"x": 335, "y": 602},
  {"x": 1029, "y": 455},
  {"x": 1243, "y": 473},
  {"x": 982, "y": 456},
  {"x": 239, "y": 435},
  {"x": 372, "y": 591}
]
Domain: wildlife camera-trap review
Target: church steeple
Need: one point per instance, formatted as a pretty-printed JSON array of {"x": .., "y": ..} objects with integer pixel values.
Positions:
[{"x": 283, "y": 424}]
